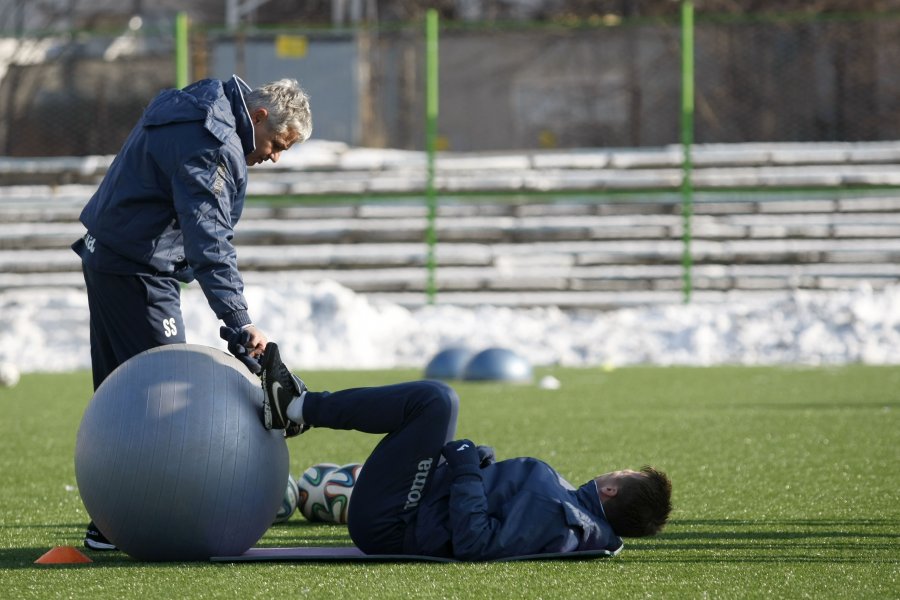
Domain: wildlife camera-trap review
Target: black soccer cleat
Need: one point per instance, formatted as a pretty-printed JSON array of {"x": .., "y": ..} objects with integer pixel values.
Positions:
[
  {"x": 95, "y": 540},
  {"x": 280, "y": 387},
  {"x": 294, "y": 429}
]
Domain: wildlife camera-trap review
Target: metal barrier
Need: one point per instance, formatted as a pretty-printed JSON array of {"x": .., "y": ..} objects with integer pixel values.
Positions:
[{"x": 757, "y": 78}]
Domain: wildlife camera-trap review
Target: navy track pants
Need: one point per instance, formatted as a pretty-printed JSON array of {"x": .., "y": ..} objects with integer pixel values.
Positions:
[
  {"x": 130, "y": 314},
  {"x": 419, "y": 418}
]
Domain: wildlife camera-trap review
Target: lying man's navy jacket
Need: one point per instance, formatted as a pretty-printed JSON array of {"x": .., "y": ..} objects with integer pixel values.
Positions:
[
  {"x": 171, "y": 198},
  {"x": 513, "y": 507}
]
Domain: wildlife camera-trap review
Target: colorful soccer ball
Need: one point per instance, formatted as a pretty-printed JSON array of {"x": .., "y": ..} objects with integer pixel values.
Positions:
[
  {"x": 311, "y": 500},
  {"x": 289, "y": 502},
  {"x": 325, "y": 491}
]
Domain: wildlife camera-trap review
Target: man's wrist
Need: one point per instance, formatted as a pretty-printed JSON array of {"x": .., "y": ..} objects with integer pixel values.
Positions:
[
  {"x": 465, "y": 471},
  {"x": 238, "y": 319}
]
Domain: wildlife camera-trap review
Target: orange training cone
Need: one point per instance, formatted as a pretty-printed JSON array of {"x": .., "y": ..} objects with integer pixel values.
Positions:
[{"x": 62, "y": 555}]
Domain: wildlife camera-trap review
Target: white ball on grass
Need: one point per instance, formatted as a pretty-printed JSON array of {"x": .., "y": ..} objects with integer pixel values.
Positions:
[
  {"x": 9, "y": 375},
  {"x": 549, "y": 382}
]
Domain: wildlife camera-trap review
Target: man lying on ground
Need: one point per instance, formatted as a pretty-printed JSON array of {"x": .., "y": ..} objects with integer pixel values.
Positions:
[{"x": 421, "y": 492}]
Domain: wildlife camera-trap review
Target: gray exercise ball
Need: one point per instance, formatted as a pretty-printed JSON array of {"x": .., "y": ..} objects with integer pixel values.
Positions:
[
  {"x": 498, "y": 364},
  {"x": 172, "y": 460},
  {"x": 448, "y": 363}
]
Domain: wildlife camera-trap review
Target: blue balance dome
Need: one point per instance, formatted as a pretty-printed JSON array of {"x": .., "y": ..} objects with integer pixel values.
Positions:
[
  {"x": 448, "y": 363},
  {"x": 498, "y": 364}
]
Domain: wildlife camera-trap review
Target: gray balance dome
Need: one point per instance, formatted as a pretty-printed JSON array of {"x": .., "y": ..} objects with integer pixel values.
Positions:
[
  {"x": 498, "y": 364},
  {"x": 172, "y": 460},
  {"x": 448, "y": 363}
]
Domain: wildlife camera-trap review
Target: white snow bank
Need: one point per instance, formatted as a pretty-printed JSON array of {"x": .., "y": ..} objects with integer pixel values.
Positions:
[{"x": 329, "y": 326}]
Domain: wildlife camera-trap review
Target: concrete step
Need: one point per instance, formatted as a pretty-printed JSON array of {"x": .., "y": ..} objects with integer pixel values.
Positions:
[
  {"x": 473, "y": 287},
  {"x": 511, "y": 257},
  {"x": 586, "y": 300},
  {"x": 323, "y": 158},
  {"x": 43, "y": 204},
  {"x": 505, "y": 229},
  {"x": 528, "y": 252}
]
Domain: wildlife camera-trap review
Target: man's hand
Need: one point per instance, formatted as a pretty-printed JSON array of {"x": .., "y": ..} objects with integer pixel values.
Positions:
[
  {"x": 486, "y": 456},
  {"x": 256, "y": 344},
  {"x": 244, "y": 346},
  {"x": 461, "y": 453}
]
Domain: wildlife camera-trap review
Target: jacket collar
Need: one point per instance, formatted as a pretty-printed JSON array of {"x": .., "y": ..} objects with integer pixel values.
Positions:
[
  {"x": 589, "y": 497},
  {"x": 234, "y": 90}
]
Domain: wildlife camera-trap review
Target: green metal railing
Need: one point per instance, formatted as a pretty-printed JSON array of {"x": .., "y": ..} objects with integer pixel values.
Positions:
[
  {"x": 431, "y": 115},
  {"x": 686, "y": 193},
  {"x": 686, "y": 130},
  {"x": 687, "y": 138},
  {"x": 182, "y": 50}
]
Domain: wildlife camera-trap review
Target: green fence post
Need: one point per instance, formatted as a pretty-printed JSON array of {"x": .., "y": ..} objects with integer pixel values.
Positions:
[
  {"x": 431, "y": 115},
  {"x": 687, "y": 139},
  {"x": 182, "y": 52}
]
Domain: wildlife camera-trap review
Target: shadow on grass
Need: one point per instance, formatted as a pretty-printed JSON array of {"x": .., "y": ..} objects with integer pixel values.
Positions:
[
  {"x": 814, "y": 405},
  {"x": 720, "y": 541},
  {"x": 294, "y": 533},
  {"x": 780, "y": 530},
  {"x": 300, "y": 532},
  {"x": 23, "y": 558},
  {"x": 772, "y": 541},
  {"x": 756, "y": 558},
  {"x": 788, "y": 522}
]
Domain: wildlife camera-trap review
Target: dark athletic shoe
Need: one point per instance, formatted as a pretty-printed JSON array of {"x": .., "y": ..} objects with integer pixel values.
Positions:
[
  {"x": 95, "y": 540},
  {"x": 294, "y": 429},
  {"x": 280, "y": 387}
]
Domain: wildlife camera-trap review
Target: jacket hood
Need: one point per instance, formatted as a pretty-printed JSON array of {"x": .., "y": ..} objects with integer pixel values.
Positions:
[
  {"x": 589, "y": 497},
  {"x": 220, "y": 105},
  {"x": 234, "y": 90}
]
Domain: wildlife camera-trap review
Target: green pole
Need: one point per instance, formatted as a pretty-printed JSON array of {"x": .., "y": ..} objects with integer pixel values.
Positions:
[
  {"x": 182, "y": 53},
  {"x": 687, "y": 139},
  {"x": 431, "y": 115}
]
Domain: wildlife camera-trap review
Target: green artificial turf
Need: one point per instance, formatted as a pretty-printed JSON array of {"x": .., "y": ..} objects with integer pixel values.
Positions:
[{"x": 786, "y": 485}]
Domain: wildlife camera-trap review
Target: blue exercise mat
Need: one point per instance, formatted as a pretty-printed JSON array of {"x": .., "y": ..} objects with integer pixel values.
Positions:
[{"x": 352, "y": 553}]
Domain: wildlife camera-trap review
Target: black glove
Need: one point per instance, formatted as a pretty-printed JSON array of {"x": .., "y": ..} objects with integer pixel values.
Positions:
[
  {"x": 461, "y": 453},
  {"x": 236, "y": 339},
  {"x": 486, "y": 456}
]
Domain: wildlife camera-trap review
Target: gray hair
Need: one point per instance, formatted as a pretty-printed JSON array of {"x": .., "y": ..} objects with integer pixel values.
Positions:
[{"x": 288, "y": 106}]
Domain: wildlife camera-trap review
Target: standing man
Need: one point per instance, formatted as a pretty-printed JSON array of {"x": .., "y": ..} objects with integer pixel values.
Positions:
[{"x": 165, "y": 215}]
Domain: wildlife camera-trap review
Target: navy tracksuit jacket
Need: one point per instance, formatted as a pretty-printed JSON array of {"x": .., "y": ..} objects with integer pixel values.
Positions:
[
  {"x": 513, "y": 507},
  {"x": 165, "y": 215},
  {"x": 408, "y": 501}
]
